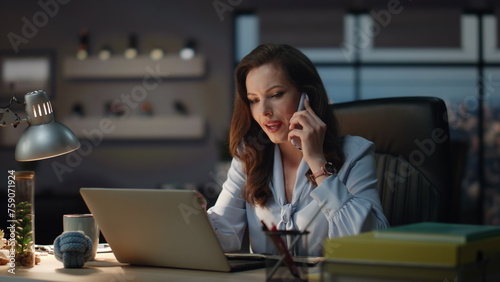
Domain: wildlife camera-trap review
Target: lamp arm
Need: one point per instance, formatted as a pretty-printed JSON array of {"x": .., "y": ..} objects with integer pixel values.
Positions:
[{"x": 8, "y": 117}]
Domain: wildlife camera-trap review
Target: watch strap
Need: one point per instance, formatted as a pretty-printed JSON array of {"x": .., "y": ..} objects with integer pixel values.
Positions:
[{"x": 328, "y": 169}]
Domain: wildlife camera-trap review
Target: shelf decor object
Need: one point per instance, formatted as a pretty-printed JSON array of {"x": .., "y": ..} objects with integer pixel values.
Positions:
[
  {"x": 118, "y": 67},
  {"x": 189, "y": 50},
  {"x": 131, "y": 51}
]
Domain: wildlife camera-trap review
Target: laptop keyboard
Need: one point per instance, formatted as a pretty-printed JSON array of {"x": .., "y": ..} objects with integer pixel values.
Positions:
[{"x": 239, "y": 264}]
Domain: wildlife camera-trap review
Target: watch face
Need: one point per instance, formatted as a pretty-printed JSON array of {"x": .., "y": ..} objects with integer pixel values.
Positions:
[{"x": 330, "y": 168}]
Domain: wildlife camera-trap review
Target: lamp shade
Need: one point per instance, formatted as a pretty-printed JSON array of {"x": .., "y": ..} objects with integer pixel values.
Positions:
[
  {"x": 44, "y": 138},
  {"x": 45, "y": 141}
]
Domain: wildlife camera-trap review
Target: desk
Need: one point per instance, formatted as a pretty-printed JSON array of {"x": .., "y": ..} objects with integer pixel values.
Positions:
[{"x": 107, "y": 269}]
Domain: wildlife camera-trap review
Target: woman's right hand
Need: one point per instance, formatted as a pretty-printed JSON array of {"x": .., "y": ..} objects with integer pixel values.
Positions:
[{"x": 311, "y": 134}]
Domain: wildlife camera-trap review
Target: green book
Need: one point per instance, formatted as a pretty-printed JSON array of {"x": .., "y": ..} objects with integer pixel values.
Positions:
[{"x": 439, "y": 232}]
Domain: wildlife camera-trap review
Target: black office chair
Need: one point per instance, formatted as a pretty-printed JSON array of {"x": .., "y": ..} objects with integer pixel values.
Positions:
[{"x": 412, "y": 146}]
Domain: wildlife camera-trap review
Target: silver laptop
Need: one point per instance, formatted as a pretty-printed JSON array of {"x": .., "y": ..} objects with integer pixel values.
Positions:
[{"x": 163, "y": 228}]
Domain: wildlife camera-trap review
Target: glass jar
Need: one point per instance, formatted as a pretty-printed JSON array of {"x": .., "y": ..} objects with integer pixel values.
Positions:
[{"x": 25, "y": 218}]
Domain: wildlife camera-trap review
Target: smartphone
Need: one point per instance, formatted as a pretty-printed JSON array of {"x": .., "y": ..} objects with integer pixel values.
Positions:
[{"x": 296, "y": 140}]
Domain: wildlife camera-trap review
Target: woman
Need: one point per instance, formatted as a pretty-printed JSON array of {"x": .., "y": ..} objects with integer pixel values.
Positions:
[{"x": 272, "y": 180}]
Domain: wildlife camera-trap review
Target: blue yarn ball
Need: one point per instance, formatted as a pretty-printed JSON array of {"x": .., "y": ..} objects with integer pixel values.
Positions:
[{"x": 73, "y": 248}]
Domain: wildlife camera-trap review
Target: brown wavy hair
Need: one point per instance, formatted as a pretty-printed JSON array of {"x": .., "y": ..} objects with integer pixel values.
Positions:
[{"x": 249, "y": 143}]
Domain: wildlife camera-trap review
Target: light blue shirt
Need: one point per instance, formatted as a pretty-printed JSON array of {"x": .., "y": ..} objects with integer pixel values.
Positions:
[{"x": 351, "y": 203}]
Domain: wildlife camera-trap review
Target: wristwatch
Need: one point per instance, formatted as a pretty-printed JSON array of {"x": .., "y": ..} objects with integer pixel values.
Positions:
[{"x": 328, "y": 169}]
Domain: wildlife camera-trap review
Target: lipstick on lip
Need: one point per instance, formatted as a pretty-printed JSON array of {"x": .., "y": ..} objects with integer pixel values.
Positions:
[{"x": 273, "y": 126}]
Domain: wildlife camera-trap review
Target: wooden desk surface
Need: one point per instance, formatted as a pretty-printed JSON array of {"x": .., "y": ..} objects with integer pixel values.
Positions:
[{"x": 107, "y": 269}]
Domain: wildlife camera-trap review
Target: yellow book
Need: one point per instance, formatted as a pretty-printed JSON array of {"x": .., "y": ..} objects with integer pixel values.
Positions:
[
  {"x": 335, "y": 271},
  {"x": 366, "y": 247}
]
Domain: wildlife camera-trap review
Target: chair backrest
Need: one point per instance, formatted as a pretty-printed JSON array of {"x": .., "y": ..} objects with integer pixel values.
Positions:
[{"x": 412, "y": 146}]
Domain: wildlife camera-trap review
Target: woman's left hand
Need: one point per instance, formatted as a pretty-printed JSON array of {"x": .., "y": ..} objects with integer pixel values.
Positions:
[
  {"x": 311, "y": 130},
  {"x": 200, "y": 200}
]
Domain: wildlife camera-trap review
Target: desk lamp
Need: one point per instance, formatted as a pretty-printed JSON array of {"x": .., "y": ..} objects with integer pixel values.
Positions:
[{"x": 44, "y": 138}]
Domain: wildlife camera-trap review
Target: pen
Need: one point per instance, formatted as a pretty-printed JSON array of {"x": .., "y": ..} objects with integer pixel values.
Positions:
[{"x": 281, "y": 247}]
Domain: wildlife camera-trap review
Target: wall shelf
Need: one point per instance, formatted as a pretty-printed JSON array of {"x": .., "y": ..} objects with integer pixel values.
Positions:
[
  {"x": 138, "y": 128},
  {"x": 118, "y": 67}
]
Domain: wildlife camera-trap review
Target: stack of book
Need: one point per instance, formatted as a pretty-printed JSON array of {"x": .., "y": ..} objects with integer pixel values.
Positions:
[{"x": 426, "y": 251}]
